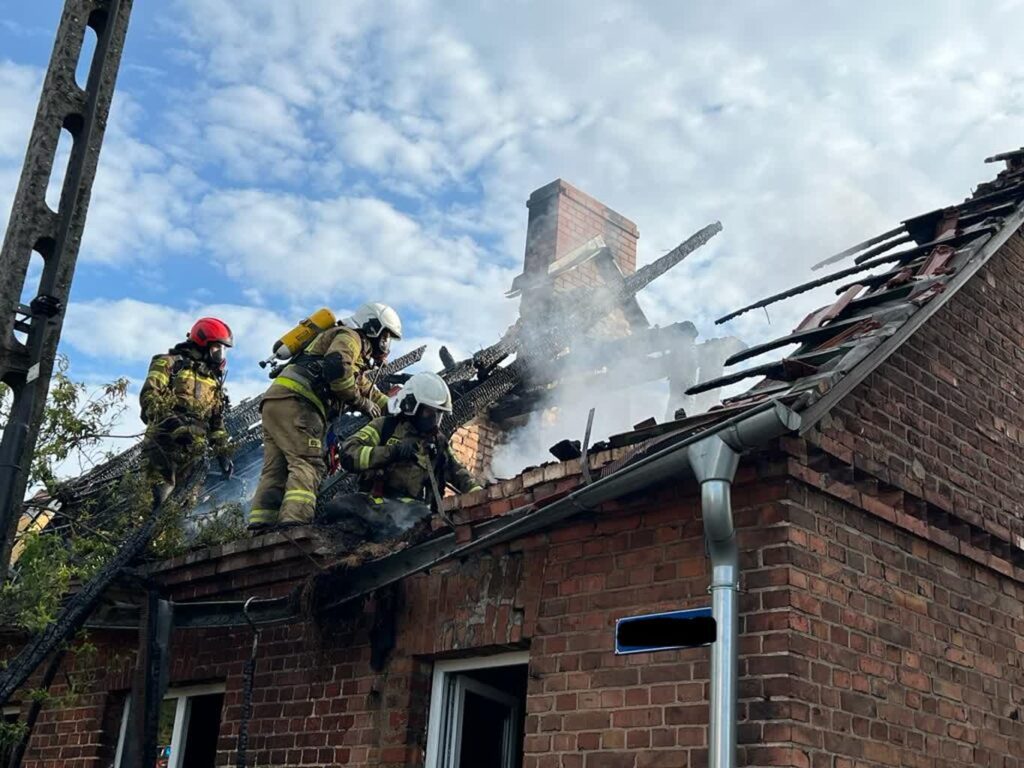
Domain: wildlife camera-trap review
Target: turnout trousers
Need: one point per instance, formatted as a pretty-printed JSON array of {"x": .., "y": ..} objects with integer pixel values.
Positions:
[
  {"x": 167, "y": 463},
  {"x": 293, "y": 462}
]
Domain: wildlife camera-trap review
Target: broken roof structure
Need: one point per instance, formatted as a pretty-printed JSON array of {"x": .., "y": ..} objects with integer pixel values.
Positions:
[
  {"x": 876, "y": 487},
  {"x": 574, "y": 299},
  {"x": 924, "y": 262}
]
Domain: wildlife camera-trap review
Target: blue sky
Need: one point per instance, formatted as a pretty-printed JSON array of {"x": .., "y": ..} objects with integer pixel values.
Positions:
[{"x": 266, "y": 157}]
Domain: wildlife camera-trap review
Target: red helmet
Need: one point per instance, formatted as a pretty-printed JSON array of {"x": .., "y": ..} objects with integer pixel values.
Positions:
[{"x": 210, "y": 330}]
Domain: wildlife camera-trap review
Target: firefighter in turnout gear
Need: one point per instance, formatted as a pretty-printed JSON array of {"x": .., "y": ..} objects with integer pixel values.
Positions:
[
  {"x": 329, "y": 377},
  {"x": 183, "y": 403},
  {"x": 395, "y": 455}
]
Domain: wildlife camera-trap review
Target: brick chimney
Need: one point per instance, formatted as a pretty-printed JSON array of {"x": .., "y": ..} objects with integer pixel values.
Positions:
[
  {"x": 563, "y": 221},
  {"x": 563, "y": 218}
]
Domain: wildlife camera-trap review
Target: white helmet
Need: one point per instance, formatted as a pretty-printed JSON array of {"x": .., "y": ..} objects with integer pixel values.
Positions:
[
  {"x": 374, "y": 318},
  {"x": 421, "y": 389}
]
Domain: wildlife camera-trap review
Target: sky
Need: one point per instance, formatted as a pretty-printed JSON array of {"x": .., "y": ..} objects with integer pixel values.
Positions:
[{"x": 267, "y": 157}]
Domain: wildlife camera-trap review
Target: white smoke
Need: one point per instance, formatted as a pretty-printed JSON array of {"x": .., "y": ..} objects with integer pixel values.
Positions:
[{"x": 619, "y": 406}]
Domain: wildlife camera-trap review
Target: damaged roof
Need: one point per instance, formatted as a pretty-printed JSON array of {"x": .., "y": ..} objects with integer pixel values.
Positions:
[{"x": 897, "y": 281}]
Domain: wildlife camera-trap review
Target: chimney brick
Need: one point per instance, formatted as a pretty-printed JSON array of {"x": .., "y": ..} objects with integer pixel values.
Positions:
[{"x": 562, "y": 218}]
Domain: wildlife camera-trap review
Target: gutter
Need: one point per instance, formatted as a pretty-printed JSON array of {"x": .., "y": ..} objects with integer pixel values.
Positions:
[{"x": 713, "y": 455}]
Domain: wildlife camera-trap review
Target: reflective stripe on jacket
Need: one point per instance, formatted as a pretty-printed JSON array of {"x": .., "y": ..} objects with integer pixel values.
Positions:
[
  {"x": 343, "y": 358},
  {"x": 364, "y": 453},
  {"x": 181, "y": 384}
]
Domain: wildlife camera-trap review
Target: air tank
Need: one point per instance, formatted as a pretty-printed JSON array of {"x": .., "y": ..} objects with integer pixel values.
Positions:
[{"x": 293, "y": 342}]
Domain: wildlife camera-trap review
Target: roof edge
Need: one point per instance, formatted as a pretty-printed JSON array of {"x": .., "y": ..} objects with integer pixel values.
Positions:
[{"x": 813, "y": 414}]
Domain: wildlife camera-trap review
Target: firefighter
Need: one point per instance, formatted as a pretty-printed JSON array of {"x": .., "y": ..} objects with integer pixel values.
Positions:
[
  {"x": 395, "y": 455},
  {"x": 328, "y": 378},
  {"x": 183, "y": 403}
]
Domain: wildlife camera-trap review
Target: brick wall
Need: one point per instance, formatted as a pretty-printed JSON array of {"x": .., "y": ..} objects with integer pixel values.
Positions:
[
  {"x": 317, "y": 701},
  {"x": 901, "y": 653},
  {"x": 562, "y": 218},
  {"x": 862, "y": 643},
  {"x": 80, "y": 730},
  {"x": 473, "y": 444},
  {"x": 943, "y": 418}
]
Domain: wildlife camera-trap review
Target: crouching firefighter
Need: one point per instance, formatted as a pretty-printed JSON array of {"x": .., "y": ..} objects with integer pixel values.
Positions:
[
  {"x": 403, "y": 456},
  {"x": 183, "y": 403},
  {"x": 329, "y": 377}
]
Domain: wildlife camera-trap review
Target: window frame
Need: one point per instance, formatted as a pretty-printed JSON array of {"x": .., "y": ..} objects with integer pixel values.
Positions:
[
  {"x": 444, "y": 687},
  {"x": 183, "y": 710}
]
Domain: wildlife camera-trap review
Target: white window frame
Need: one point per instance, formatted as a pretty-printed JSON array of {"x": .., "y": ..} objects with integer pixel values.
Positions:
[
  {"x": 182, "y": 712},
  {"x": 440, "y": 699}
]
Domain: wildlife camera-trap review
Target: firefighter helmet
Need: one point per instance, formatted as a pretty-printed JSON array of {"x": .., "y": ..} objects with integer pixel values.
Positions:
[
  {"x": 427, "y": 389},
  {"x": 374, "y": 318},
  {"x": 210, "y": 330}
]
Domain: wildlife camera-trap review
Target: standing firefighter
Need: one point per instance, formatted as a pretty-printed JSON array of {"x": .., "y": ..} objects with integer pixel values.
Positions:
[
  {"x": 183, "y": 404},
  {"x": 326, "y": 379},
  {"x": 396, "y": 455}
]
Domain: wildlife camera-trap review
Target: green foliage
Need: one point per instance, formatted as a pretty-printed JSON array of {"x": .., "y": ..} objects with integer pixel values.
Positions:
[
  {"x": 75, "y": 422},
  {"x": 226, "y": 523},
  {"x": 178, "y": 534},
  {"x": 50, "y": 562},
  {"x": 10, "y": 734},
  {"x": 73, "y": 546}
]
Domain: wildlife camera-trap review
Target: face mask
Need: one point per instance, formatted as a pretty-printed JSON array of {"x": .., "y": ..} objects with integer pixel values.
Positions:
[
  {"x": 382, "y": 345},
  {"x": 216, "y": 355},
  {"x": 426, "y": 420}
]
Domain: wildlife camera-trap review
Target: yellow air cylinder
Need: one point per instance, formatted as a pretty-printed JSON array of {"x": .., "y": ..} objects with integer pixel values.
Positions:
[{"x": 298, "y": 337}]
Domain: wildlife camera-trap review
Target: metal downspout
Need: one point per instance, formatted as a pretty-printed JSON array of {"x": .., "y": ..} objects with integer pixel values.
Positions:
[{"x": 714, "y": 461}]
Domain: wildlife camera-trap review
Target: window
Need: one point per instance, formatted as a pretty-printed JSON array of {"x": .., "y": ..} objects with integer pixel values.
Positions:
[
  {"x": 477, "y": 708},
  {"x": 188, "y": 729}
]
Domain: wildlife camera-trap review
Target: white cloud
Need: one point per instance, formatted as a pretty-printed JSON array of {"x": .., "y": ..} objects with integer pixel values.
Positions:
[
  {"x": 139, "y": 202},
  {"x": 803, "y": 130},
  {"x": 141, "y": 199},
  {"x": 385, "y": 151},
  {"x": 351, "y": 250},
  {"x": 19, "y": 86},
  {"x": 127, "y": 332}
]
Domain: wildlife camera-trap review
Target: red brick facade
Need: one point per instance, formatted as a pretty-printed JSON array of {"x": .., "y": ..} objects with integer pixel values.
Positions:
[
  {"x": 863, "y": 643},
  {"x": 943, "y": 418},
  {"x": 474, "y": 445},
  {"x": 562, "y": 218}
]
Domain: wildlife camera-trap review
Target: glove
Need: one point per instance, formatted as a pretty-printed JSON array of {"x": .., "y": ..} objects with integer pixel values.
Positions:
[
  {"x": 367, "y": 407},
  {"x": 404, "y": 450},
  {"x": 227, "y": 466}
]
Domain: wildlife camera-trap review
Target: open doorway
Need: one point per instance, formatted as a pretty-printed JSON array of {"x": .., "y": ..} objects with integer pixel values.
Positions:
[{"x": 477, "y": 708}]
